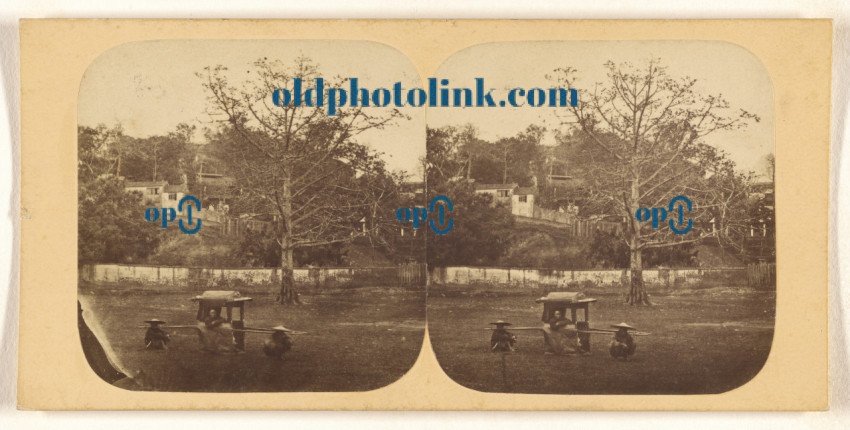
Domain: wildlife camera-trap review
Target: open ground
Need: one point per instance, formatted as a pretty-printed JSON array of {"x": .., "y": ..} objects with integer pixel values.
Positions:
[
  {"x": 702, "y": 341},
  {"x": 358, "y": 339}
]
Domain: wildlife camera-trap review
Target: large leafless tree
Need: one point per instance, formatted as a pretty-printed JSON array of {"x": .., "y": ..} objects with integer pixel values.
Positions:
[
  {"x": 642, "y": 131},
  {"x": 296, "y": 165}
]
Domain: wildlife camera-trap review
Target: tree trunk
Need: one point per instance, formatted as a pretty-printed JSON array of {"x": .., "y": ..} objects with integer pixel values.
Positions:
[
  {"x": 287, "y": 294},
  {"x": 154, "y": 164},
  {"x": 637, "y": 290},
  {"x": 505, "y": 171}
]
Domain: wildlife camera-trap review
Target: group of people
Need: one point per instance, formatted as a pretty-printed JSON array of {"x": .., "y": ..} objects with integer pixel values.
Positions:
[
  {"x": 214, "y": 332},
  {"x": 561, "y": 341},
  {"x": 216, "y": 335}
]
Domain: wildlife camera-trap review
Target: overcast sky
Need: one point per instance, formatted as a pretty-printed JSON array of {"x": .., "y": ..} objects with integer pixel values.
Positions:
[
  {"x": 720, "y": 67},
  {"x": 150, "y": 87}
]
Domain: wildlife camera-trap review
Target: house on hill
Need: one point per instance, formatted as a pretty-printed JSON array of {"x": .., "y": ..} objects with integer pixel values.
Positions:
[
  {"x": 158, "y": 193},
  {"x": 216, "y": 189},
  {"x": 558, "y": 173},
  {"x": 212, "y": 185},
  {"x": 519, "y": 199},
  {"x": 501, "y": 193},
  {"x": 413, "y": 190},
  {"x": 172, "y": 194},
  {"x": 522, "y": 201},
  {"x": 151, "y": 191}
]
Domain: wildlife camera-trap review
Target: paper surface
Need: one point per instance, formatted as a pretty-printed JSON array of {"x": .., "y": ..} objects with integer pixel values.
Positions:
[{"x": 113, "y": 79}]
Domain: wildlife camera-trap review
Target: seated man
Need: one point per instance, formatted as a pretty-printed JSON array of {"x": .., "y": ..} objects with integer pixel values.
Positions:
[
  {"x": 502, "y": 340},
  {"x": 278, "y": 344},
  {"x": 216, "y": 333},
  {"x": 560, "y": 340},
  {"x": 623, "y": 346},
  {"x": 156, "y": 337},
  {"x": 558, "y": 321}
]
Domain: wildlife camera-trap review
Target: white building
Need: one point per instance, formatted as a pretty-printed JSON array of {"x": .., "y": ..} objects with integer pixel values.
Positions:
[
  {"x": 157, "y": 193},
  {"x": 522, "y": 202},
  {"x": 151, "y": 191},
  {"x": 172, "y": 194},
  {"x": 519, "y": 199},
  {"x": 501, "y": 193}
]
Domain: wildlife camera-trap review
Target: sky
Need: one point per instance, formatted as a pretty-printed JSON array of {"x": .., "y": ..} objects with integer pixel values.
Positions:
[
  {"x": 720, "y": 68},
  {"x": 150, "y": 87}
]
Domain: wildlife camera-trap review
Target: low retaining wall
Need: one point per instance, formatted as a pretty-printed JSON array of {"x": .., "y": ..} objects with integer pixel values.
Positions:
[
  {"x": 537, "y": 278},
  {"x": 199, "y": 279}
]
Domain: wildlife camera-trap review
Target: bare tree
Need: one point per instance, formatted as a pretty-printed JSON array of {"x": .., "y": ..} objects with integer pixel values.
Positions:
[
  {"x": 296, "y": 165},
  {"x": 643, "y": 133},
  {"x": 100, "y": 151}
]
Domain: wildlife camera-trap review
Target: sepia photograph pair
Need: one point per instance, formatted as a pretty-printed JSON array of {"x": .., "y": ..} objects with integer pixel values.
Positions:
[{"x": 231, "y": 240}]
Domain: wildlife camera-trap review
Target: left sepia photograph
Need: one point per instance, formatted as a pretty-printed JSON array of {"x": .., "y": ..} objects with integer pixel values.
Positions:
[{"x": 232, "y": 241}]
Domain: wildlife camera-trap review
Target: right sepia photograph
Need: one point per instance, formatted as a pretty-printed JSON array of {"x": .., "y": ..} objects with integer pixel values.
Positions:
[{"x": 615, "y": 234}]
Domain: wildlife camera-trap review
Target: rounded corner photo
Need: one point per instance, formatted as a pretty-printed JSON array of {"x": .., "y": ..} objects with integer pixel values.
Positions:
[
  {"x": 622, "y": 242},
  {"x": 237, "y": 217}
]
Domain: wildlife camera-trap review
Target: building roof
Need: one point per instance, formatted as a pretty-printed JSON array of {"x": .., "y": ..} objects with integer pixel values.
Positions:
[
  {"x": 411, "y": 186},
  {"x": 181, "y": 188},
  {"x": 565, "y": 297},
  {"x": 480, "y": 187},
  {"x": 217, "y": 181},
  {"x": 525, "y": 191},
  {"x": 765, "y": 186},
  {"x": 144, "y": 184},
  {"x": 221, "y": 296}
]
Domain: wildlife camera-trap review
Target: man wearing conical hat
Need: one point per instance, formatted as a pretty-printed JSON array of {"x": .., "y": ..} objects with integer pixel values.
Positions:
[
  {"x": 279, "y": 343},
  {"x": 155, "y": 336},
  {"x": 623, "y": 345},
  {"x": 502, "y": 340}
]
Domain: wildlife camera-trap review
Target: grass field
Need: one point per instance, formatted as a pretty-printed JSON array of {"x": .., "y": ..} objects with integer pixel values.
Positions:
[
  {"x": 358, "y": 340},
  {"x": 707, "y": 341}
]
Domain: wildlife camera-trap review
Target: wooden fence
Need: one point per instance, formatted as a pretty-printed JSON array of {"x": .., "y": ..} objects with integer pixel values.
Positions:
[
  {"x": 761, "y": 275},
  {"x": 571, "y": 226},
  {"x": 411, "y": 275},
  {"x": 415, "y": 275},
  {"x": 656, "y": 279},
  {"x": 224, "y": 226}
]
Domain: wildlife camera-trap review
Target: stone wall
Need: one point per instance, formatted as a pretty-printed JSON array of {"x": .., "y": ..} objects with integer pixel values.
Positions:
[
  {"x": 536, "y": 278},
  {"x": 199, "y": 279}
]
